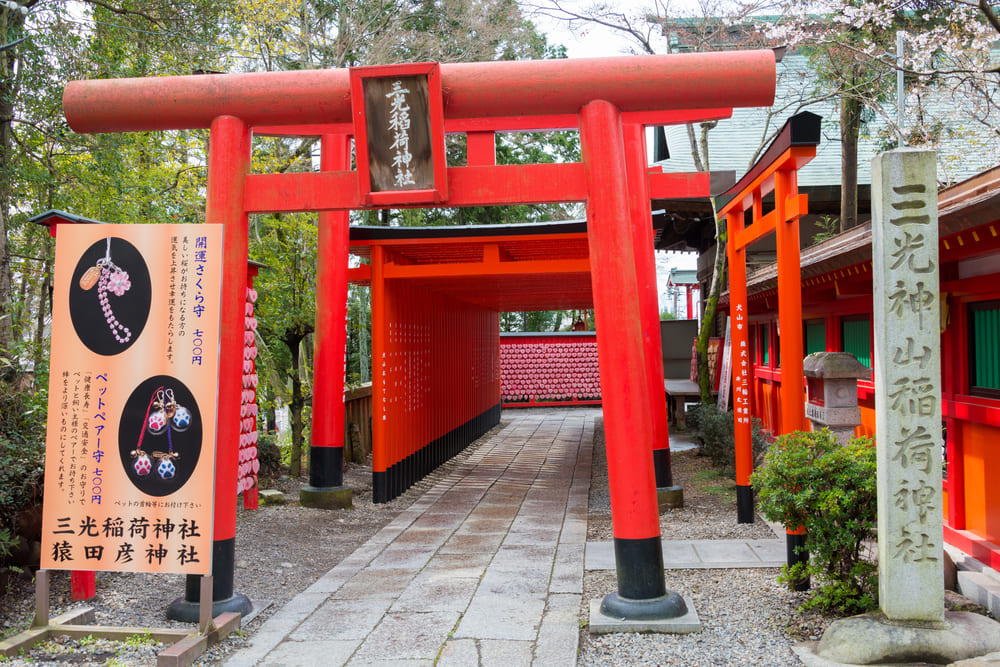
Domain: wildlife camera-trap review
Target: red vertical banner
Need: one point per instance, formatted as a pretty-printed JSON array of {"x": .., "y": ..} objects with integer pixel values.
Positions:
[
  {"x": 132, "y": 416},
  {"x": 742, "y": 363}
]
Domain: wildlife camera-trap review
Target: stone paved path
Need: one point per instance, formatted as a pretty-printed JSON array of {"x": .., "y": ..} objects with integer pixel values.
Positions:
[{"x": 486, "y": 568}]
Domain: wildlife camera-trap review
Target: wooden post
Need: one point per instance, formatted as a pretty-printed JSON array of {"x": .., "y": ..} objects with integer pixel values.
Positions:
[
  {"x": 228, "y": 166},
  {"x": 793, "y": 410},
  {"x": 645, "y": 270}
]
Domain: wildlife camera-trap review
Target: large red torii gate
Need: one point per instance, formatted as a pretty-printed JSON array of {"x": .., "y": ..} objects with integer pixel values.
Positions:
[{"x": 609, "y": 100}]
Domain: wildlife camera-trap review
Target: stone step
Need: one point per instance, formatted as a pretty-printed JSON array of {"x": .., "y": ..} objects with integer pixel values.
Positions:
[{"x": 981, "y": 589}]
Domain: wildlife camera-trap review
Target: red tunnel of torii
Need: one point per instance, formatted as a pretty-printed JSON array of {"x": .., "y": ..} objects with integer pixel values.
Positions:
[{"x": 609, "y": 100}]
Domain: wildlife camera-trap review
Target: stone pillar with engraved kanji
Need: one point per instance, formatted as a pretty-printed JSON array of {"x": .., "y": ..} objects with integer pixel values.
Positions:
[
  {"x": 911, "y": 625},
  {"x": 907, "y": 385}
]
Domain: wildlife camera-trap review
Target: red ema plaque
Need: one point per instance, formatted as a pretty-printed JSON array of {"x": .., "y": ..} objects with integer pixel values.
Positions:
[{"x": 399, "y": 134}]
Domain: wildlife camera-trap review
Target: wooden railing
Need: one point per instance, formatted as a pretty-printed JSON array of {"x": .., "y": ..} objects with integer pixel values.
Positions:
[{"x": 358, "y": 423}]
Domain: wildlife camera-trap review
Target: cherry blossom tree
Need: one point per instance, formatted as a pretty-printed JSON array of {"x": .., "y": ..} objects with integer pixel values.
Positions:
[{"x": 948, "y": 65}]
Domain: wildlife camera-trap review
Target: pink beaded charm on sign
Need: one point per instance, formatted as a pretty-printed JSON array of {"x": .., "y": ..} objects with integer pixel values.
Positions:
[{"x": 108, "y": 276}]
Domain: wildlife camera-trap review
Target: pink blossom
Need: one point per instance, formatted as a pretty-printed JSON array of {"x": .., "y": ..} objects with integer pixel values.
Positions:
[{"x": 119, "y": 283}]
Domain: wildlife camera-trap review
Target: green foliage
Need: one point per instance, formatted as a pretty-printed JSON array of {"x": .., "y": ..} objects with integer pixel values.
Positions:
[
  {"x": 144, "y": 639},
  {"x": 667, "y": 315},
  {"x": 541, "y": 320},
  {"x": 716, "y": 431},
  {"x": 810, "y": 480},
  {"x": 269, "y": 455},
  {"x": 22, "y": 457},
  {"x": 829, "y": 226}
]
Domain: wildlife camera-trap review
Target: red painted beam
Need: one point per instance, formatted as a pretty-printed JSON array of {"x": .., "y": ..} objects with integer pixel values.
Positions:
[
  {"x": 488, "y": 269},
  {"x": 471, "y": 90},
  {"x": 512, "y": 123},
  {"x": 468, "y": 186},
  {"x": 679, "y": 185}
]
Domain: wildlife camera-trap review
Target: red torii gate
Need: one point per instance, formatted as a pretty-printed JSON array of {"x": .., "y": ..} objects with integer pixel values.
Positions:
[{"x": 609, "y": 100}]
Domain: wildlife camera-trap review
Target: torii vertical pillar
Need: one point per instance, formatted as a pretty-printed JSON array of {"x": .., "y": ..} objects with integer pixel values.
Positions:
[
  {"x": 667, "y": 494},
  {"x": 326, "y": 488},
  {"x": 228, "y": 166},
  {"x": 739, "y": 320},
  {"x": 628, "y": 428}
]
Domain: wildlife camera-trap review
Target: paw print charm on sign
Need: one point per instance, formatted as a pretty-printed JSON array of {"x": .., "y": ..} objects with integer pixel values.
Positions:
[{"x": 163, "y": 414}]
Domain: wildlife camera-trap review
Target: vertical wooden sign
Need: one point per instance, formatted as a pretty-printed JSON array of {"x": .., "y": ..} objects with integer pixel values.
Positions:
[{"x": 399, "y": 134}]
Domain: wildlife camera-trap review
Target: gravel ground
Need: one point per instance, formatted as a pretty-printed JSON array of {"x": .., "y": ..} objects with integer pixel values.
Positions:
[{"x": 748, "y": 618}]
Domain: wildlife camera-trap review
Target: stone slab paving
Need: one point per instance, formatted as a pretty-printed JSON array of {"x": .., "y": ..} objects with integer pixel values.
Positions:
[
  {"x": 486, "y": 568},
  {"x": 699, "y": 554}
]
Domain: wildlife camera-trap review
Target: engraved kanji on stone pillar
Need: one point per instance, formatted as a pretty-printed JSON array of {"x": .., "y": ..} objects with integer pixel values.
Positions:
[{"x": 907, "y": 385}]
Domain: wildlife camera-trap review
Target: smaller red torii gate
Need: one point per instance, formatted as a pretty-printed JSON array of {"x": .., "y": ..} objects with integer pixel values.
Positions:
[
  {"x": 776, "y": 171},
  {"x": 608, "y": 100}
]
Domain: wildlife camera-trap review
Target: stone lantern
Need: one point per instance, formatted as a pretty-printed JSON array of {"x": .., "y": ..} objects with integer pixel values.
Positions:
[{"x": 832, "y": 392}]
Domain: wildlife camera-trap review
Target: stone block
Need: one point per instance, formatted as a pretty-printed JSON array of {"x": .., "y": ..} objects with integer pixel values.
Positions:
[
  {"x": 871, "y": 639},
  {"x": 271, "y": 497},
  {"x": 669, "y": 497},
  {"x": 981, "y": 589},
  {"x": 333, "y": 498}
]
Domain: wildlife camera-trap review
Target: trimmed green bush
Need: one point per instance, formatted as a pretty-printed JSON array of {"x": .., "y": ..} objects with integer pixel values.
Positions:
[
  {"x": 716, "y": 432},
  {"x": 269, "y": 455},
  {"x": 810, "y": 480}
]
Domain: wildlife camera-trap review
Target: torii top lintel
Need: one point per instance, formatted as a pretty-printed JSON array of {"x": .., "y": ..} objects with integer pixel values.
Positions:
[{"x": 471, "y": 91}]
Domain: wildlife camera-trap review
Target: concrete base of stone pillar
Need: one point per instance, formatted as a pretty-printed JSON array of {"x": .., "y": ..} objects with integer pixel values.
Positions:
[
  {"x": 872, "y": 639},
  {"x": 669, "y": 497},
  {"x": 329, "y": 498},
  {"x": 684, "y": 619}
]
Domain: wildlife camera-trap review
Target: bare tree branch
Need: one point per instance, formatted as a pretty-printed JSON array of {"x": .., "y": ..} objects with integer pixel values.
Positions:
[
  {"x": 121, "y": 11},
  {"x": 987, "y": 11}
]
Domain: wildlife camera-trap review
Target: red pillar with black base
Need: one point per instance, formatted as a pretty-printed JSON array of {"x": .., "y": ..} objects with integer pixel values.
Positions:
[
  {"x": 645, "y": 271},
  {"x": 326, "y": 455},
  {"x": 739, "y": 323},
  {"x": 228, "y": 166},
  {"x": 628, "y": 427}
]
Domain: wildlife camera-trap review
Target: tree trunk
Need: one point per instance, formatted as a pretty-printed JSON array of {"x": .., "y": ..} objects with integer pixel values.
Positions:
[
  {"x": 698, "y": 166},
  {"x": 44, "y": 307},
  {"x": 850, "y": 129},
  {"x": 10, "y": 22},
  {"x": 706, "y": 127},
  {"x": 295, "y": 407},
  {"x": 708, "y": 316}
]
